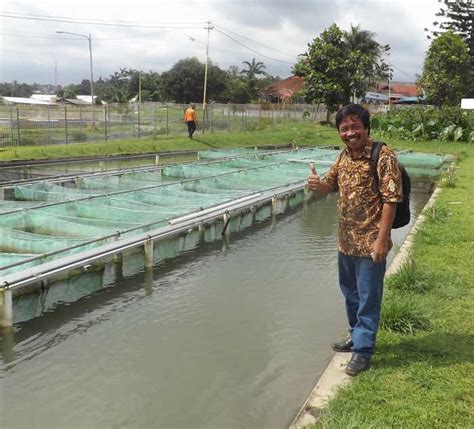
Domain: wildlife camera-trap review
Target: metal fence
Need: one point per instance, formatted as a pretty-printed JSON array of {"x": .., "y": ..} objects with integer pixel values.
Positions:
[{"x": 22, "y": 125}]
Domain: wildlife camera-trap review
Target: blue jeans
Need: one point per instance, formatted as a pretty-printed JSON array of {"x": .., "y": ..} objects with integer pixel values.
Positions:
[{"x": 361, "y": 282}]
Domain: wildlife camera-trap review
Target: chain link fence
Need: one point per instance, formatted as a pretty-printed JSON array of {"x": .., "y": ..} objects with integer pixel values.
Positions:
[{"x": 22, "y": 125}]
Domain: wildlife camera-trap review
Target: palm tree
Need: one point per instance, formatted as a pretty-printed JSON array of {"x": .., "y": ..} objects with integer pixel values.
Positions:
[
  {"x": 362, "y": 43},
  {"x": 254, "y": 68}
]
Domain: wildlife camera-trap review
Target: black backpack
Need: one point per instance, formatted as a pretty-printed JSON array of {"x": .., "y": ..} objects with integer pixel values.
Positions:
[{"x": 402, "y": 216}]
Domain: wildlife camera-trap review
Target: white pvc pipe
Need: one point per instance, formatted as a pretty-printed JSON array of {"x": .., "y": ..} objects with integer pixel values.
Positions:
[{"x": 213, "y": 209}]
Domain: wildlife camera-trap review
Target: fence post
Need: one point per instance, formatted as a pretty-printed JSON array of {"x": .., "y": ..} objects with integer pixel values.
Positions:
[
  {"x": 105, "y": 123},
  {"x": 228, "y": 114},
  {"x": 167, "y": 121},
  {"x": 138, "y": 117},
  {"x": 259, "y": 116},
  {"x": 155, "y": 113},
  {"x": 49, "y": 125},
  {"x": 18, "y": 142},
  {"x": 211, "y": 114},
  {"x": 65, "y": 122},
  {"x": 80, "y": 118}
]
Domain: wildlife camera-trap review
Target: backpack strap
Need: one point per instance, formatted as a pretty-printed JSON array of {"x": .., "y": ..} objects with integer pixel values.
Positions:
[{"x": 374, "y": 160}]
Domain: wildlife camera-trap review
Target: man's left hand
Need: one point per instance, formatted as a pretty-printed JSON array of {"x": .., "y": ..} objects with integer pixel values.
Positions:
[{"x": 379, "y": 250}]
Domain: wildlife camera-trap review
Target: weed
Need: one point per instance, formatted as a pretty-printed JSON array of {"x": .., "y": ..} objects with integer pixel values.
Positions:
[
  {"x": 449, "y": 178},
  {"x": 403, "y": 314},
  {"x": 437, "y": 213},
  {"x": 411, "y": 278}
]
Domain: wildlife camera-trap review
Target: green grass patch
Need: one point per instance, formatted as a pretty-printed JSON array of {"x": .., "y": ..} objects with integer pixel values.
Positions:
[
  {"x": 411, "y": 278},
  {"x": 297, "y": 134}
]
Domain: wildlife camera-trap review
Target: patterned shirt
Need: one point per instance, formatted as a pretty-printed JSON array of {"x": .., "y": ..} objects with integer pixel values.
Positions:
[{"x": 360, "y": 202}]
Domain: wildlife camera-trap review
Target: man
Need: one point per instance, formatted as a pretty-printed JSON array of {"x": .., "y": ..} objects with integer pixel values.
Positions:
[
  {"x": 366, "y": 213},
  {"x": 190, "y": 117}
]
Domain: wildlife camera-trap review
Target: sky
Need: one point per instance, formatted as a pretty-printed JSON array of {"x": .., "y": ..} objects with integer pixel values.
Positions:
[{"x": 154, "y": 34}]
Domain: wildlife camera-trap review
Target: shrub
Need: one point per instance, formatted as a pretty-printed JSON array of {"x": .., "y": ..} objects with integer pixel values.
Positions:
[
  {"x": 425, "y": 123},
  {"x": 79, "y": 137}
]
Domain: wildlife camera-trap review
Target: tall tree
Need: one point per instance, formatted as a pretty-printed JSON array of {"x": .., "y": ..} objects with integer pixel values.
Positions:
[
  {"x": 459, "y": 18},
  {"x": 254, "y": 69},
  {"x": 446, "y": 74},
  {"x": 370, "y": 54}
]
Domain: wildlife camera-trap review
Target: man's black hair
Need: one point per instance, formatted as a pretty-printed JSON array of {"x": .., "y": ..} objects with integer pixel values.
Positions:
[{"x": 354, "y": 110}]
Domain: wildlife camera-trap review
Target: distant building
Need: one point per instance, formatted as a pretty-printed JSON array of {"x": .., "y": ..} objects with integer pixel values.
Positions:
[
  {"x": 282, "y": 91},
  {"x": 399, "y": 90},
  {"x": 49, "y": 98},
  {"x": 31, "y": 101}
]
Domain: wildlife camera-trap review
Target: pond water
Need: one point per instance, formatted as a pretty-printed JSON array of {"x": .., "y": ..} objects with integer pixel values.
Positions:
[{"x": 228, "y": 335}]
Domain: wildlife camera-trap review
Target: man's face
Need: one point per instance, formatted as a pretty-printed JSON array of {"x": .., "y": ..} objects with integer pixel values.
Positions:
[{"x": 353, "y": 134}]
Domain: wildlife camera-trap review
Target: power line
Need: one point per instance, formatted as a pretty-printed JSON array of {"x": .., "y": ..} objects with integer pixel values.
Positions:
[
  {"x": 258, "y": 43},
  {"x": 251, "y": 49},
  {"x": 95, "y": 22}
]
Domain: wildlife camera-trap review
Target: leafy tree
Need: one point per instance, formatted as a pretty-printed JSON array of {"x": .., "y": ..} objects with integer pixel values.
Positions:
[
  {"x": 183, "y": 83},
  {"x": 326, "y": 68},
  {"x": 339, "y": 65},
  {"x": 446, "y": 74},
  {"x": 459, "y": 15}
]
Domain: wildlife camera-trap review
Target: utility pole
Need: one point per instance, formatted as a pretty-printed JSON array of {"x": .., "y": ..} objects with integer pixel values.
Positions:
[
  {"x": 89, "y": 38},
  {"x": 204, "y": 112}
]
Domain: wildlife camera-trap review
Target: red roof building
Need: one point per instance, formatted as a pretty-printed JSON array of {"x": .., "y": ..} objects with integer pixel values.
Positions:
[
  {"x": 282, "y": 91},
  {"x": 401, "y": 89}
]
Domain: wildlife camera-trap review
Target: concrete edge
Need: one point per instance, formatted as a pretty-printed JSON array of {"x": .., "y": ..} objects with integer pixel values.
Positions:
[{"x": 334, "y": 377}]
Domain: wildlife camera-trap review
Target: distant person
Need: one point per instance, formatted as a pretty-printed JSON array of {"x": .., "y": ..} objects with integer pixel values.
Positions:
[
  {"x": 366, "y": 213},
  {"x": 190, "y": 117}
]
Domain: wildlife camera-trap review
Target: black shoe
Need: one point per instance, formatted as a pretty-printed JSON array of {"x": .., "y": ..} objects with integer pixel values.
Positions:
[
  {"x": 357, "y": 364},
  {"x": 343, "y": 346}
]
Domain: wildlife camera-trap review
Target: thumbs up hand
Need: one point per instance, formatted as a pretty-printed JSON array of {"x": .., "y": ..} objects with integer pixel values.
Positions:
[{"x": 313, "y": 179}]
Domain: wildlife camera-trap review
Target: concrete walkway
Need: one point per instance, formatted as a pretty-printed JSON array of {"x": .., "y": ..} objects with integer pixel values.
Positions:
[{"x": 334, "y": 376}]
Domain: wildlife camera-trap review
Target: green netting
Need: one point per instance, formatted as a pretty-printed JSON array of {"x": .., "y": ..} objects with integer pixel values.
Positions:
[
  {"x": 64, "y": 222},
  {"x": 10, "y": 258},
  {"x": 423, "y": 160},
  {"x": 16, "y": 241}
]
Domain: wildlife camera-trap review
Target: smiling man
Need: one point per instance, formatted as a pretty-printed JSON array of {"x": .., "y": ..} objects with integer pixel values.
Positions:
[{"x": 366, "y": 210}]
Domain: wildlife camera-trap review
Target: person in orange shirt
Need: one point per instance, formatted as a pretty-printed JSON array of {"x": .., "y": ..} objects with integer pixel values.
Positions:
[{"x": 190, "y": 117}]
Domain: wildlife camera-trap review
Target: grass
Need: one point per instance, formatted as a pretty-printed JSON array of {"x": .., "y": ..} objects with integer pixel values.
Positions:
[
  {"x": 296, "y": 133},
  {"x": 422, "y": 371}
]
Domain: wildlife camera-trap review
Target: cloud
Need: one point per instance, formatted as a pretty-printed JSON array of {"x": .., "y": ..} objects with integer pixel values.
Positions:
[{"x": 272, "y": 29}]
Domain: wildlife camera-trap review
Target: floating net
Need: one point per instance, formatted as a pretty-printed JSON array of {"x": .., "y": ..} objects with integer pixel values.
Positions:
[{"x": 47, "y": 221}]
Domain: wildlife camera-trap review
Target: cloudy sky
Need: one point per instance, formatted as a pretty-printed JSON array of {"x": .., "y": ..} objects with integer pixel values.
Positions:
[{"x": 155, "y": 34}]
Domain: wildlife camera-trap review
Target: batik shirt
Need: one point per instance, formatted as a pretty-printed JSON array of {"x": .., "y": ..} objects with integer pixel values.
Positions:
[{"x": 360, "y": 200}]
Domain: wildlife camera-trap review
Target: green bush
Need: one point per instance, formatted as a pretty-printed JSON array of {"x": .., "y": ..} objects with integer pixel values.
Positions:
[{"x": 425, "y": 123}]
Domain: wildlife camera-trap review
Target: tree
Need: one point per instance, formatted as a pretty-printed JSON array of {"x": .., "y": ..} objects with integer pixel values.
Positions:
[
  {"x": 339, "y": 65},
  {"x": 183, "y": 82},
  {"x": 254, "y": 69},
  {"x": 370, "y": 54},
  {"x": 446, "y": 74},
  {"x": 460, "y": 20},
  {"x": 325, "y": 68}
]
